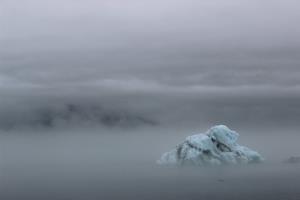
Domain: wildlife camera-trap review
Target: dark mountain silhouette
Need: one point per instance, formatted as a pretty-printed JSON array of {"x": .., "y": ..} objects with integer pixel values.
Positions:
[{"x": 74, "y": 114}]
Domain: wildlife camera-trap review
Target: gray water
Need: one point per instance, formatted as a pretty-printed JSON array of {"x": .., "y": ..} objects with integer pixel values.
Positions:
[{"x": 120, "y": 164}]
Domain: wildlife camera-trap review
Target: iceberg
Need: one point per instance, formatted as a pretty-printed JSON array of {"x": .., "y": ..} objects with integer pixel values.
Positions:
[{"x": 217, "y": 146}]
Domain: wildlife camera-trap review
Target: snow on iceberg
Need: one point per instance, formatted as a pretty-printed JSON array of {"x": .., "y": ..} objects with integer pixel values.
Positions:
[{"x": 218, "y": 146}]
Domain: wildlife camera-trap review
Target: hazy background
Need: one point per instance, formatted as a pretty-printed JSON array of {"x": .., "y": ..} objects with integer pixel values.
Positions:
[
  {"x": 203, "y": 61},
  {"x": 84, "y": 84}
]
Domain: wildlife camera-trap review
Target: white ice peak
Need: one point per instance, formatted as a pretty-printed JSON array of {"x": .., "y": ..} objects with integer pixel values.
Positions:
[{"x": 218, "y": 146}]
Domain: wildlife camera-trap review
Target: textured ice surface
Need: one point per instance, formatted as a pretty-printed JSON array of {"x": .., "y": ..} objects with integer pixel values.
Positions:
[{"x": 217, "y": 146}]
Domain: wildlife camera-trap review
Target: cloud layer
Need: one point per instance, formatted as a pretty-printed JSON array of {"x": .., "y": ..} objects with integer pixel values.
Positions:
[{"x": 229, "y": 61}]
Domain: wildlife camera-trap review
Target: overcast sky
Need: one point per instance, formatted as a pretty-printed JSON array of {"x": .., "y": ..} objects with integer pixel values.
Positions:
[{"x": 244, "y": 54}]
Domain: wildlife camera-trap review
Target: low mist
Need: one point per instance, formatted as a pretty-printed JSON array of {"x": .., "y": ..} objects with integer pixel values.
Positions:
[{"x": 119, "y": 163}]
